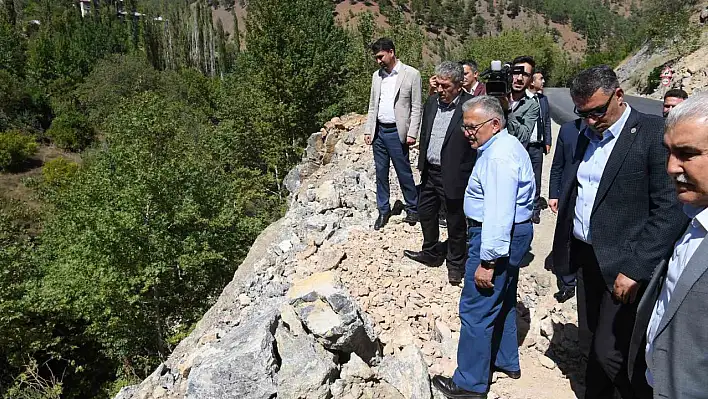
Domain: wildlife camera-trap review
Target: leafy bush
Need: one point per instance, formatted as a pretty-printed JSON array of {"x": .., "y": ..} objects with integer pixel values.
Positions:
[
  {"x": 71, "y": 130},
  {"x": 15, "y": 148},
  {"x": 58, "y": 171}
]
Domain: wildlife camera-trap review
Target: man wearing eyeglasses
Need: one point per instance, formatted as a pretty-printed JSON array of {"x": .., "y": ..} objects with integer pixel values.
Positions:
[
  {"x": 616, "y": 219},
  {"x": 498, "y": 206},
  {"x": 524, "y": 110}
]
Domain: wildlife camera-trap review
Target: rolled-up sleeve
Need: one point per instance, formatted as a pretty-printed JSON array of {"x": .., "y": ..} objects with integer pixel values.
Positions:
[{"x": 500, "y": 191}]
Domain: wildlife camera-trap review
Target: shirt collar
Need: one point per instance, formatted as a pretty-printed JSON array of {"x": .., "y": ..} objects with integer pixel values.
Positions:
[
  {"x": 454, "y": 102},
  {"x": 529, "y": 94},
  {"x": 700, "y": 214},
  {"x": 492, "y": 140},
  {"x": 396, "y": 69},
  {"x": 615, "y": 130}
]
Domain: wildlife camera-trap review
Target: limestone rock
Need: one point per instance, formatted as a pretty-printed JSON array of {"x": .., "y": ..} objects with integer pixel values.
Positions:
[
  {"x": 306, "y": 367},
  {"x": 243, "y": 366},
  {"x": 547, "y": 362},
  {"x": 333, "y": 316},
  {"x": 328, "y": 196},
  {"x": 356, "y": 370},
  {"x": 408, "y": 372}
]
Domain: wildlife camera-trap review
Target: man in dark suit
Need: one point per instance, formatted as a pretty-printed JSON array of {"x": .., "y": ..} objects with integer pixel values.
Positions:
[
  {"x": 445, "y": 162},
  {"x": 617, "y": 216},
  {"x": 540, "y": 140},
  {"x": 670, "y": 335}
]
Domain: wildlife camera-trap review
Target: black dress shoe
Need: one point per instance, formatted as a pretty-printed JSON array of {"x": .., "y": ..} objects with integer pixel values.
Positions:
[
  {"x": 455, "y": 276},
  {"x": 564, "y": 294},
  {"x": 411, "y": 218},
  {"x": 515, "y": 375},
  {"x": 451, "y": 390},
  {"x": 422, "y": 257},
  {"x": 382, "y": 220},
  {"x": 442, "y": 221}
]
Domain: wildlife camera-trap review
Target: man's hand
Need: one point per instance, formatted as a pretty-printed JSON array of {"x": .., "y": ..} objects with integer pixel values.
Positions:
[
  {"x": 483, "y": 277},
  {"x": 548, "y": 148},
  {"x": 367, "y": 139},
  {"x": 553, "y": 204},
  {"x": 625, "y": 289},
  {"x": 410, "y": 141},
  {"x": 433, "y": 82}
]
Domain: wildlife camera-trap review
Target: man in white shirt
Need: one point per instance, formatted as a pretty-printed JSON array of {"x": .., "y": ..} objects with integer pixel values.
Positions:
[
  {"x": 671, "y": 332},
  {"x": 393, "y": 124}
]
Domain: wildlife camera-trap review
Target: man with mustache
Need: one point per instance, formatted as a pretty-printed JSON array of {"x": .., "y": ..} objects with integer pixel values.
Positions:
[
  {"x": 616, "y": 219},
  {"x": 670, "y": 333}
]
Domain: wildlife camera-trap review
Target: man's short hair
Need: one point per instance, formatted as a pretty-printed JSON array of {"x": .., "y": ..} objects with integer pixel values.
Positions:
[
  {"x": 694, "y": 108},
  {"x": 450, "y": 70},
  {"x": 676, "y": 93},
  {"x": 539, "y": 70},
  {"x": 489, "y": 105},
  {"x": 589, "y": 81},
  {"x": 525, "y": 59},
  {"x": 470, "y": 63},
  {"x": 383, "y": 44}
]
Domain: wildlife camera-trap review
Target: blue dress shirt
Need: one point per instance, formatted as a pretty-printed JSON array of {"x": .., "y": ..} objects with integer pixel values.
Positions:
[
  {"x": 500, "y": 192},
  {"x": 590, "y": 173}
]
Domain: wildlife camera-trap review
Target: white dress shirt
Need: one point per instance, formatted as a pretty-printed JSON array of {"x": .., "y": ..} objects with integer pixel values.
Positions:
[
  {"x": 590, "y": 173},
  {"x": 683, "y": 251},
  {"x": 387, "y": 97}
]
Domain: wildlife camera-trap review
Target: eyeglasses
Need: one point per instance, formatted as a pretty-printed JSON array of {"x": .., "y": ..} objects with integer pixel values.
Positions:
[
  {"x": 474, "y": 128},
  {"x": 597, "y": 112},
  {"x": 522, "y": 73}
]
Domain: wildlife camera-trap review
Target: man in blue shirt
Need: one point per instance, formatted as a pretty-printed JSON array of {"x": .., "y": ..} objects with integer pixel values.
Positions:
[{"x": 498, "y": 204}]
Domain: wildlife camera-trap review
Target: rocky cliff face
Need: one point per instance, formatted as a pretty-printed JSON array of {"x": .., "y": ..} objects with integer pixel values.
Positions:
[{"x": 325, "y": 307}]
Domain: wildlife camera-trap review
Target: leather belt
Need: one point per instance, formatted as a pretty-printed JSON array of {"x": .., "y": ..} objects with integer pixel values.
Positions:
[
  {"x": 387, "y": 125},
  {"x": 474, "y": 223}
]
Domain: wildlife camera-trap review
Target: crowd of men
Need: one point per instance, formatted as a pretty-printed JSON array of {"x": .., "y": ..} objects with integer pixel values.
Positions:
[{"x": 630, "y": 193}]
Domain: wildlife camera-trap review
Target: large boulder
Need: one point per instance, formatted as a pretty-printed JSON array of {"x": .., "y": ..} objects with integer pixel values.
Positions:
[
  {"x": 408, "y": 372},
  {"x": 306, "y": 368},
  {"x": 243, "y": 364},
  {"x": 330, "y": 314}
]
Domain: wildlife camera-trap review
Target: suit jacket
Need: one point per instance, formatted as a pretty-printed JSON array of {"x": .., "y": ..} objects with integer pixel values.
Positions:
[
  {"x": 480, "y": 90},
  {"x": 636, "y": 216},
  {"x": 680, "y": 353},
  {"x": 543, "y": 124},
  {"x": 457, "y": 157},
  {"x": 522, "y": 119},
  {"x": 407, "y": 104},
  {"x": 565, "y": 149}
]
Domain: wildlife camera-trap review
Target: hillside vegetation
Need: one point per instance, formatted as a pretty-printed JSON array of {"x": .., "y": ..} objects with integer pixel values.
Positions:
[{"x": 143, "y": 148}]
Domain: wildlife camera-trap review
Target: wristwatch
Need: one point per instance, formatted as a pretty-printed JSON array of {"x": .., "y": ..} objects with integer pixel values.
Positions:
[{"x": 489, "y": 264}]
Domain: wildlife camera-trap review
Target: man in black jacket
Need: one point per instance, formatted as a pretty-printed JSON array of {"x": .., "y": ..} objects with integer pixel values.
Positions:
[
  {"x": 617, "y": 216},
  {"x": 445, "y": 162}
]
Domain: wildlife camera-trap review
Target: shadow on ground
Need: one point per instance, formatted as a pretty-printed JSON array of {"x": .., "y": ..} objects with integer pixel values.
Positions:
[{"x": 566, "y": 353}]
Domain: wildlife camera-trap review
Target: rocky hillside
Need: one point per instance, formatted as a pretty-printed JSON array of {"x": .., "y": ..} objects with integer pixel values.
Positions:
[
  {"x": 325, "y": 307},
  {"x": 690, "y": 67}
]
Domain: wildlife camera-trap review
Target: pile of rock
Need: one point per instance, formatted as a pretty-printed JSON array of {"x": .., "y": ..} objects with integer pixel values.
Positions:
[{"x": 323, "y": 306}]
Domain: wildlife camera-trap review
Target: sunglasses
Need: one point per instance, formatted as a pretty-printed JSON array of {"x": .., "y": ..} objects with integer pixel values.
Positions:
[{"x": 597, "y": 112}]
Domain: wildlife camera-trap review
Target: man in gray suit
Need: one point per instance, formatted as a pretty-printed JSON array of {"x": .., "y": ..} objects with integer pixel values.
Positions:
[
  {"x": 393, "y": 123},
  {"x": 670, "y": 339}
]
